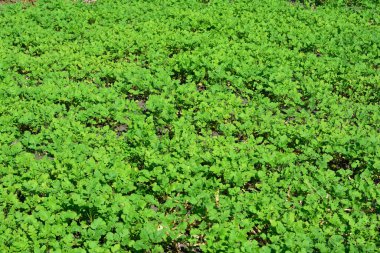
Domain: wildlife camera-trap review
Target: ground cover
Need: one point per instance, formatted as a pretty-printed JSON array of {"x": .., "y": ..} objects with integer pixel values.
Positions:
[{"x": 189, "y": 126}]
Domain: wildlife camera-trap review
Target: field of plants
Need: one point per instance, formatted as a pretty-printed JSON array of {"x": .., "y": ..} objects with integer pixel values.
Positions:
[{"x": 190, "y": 126}]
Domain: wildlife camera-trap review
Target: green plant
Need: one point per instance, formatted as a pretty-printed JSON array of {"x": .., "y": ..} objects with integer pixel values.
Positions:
[{"x": 180, "y": 126}]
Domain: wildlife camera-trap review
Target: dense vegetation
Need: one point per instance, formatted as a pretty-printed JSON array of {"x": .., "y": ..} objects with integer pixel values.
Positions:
[{"x": 188, "y": 126}]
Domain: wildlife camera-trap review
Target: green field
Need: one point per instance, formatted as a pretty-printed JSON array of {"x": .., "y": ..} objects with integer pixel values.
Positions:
[{"x": 190, "y": 126}]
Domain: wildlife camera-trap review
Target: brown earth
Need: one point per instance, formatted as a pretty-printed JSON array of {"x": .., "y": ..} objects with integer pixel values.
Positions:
[{"x": 16, "y": 1}]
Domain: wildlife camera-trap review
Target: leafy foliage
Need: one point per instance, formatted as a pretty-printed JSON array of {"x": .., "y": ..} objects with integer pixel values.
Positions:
[
  {"x": 238, "y": 126},
  {"x": 351, "y": 3}
]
